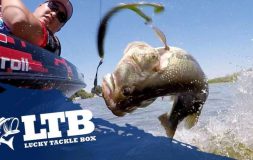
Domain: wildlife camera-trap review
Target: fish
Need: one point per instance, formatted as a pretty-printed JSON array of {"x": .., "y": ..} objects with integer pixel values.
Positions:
[
  {"x": 8, "y": 127},
  {"x": 145, "y": 73}
]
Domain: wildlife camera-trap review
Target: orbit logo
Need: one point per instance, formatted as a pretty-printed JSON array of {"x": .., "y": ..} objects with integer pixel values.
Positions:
[{"x": 15, "y": 64}]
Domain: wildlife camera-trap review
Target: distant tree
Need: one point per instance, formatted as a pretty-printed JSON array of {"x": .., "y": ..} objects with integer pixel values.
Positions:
[
  {"x": 82, "y": 94},
  {"x": 97, "y": 90},
  {"x": 229, "y": 78}
]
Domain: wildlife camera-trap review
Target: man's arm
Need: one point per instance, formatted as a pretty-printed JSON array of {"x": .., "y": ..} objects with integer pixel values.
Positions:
[{"x": 21, "y": 21}]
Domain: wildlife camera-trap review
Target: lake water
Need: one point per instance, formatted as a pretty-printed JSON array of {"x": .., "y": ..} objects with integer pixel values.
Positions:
[{"x": 225, "y": 125}]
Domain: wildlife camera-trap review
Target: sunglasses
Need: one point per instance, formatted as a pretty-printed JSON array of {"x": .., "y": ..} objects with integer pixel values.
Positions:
[{"x": 61, "y": 16}]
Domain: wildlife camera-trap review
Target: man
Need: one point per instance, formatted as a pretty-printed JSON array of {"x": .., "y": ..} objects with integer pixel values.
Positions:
[{"x": 38, "y": 27}]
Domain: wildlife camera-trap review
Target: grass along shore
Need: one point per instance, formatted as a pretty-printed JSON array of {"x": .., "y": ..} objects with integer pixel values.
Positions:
[{"x": 225, "y": 79}]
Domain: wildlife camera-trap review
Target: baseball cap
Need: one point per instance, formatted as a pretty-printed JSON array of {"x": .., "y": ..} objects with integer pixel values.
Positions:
[{"x": 68, "y": 6}]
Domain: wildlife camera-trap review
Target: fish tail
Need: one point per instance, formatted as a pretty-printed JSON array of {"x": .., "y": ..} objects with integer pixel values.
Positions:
[
  {"x": 169, "y": 127},
  {"x": 170, "y": 121},
  {"x": 191, "y": 120},
  {"x": 187, "y": 108}
]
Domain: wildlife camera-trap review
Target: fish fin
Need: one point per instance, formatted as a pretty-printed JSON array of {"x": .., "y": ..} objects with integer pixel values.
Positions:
[
  {"x": 164, "y": 119},
  {"x": 118, "y": 113},
  {"x": 173, "y": 98},
  {"x": 146, "y": 103},
  {"x": 191, "y": 120}
]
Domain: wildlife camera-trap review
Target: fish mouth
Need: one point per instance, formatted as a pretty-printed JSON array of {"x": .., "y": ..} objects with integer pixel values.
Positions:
[
  {"x": 108, "y": 88},
  {"x": 120, "y": 104},
  {"x": 108, "y": 91}
]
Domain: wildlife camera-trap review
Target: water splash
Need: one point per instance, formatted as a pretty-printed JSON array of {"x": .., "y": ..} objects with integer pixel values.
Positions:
[{"x": 229, "y": 131}]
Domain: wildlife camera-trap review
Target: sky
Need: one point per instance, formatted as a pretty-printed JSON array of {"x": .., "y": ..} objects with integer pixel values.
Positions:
[{"x": 218, "y": 33}]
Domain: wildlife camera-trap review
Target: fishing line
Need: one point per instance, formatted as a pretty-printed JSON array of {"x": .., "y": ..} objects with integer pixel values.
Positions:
[{"x": 94, "y": 90}]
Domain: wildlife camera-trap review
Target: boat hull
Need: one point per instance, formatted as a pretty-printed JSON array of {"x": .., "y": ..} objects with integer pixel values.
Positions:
[{"x": 27, "y": 66}]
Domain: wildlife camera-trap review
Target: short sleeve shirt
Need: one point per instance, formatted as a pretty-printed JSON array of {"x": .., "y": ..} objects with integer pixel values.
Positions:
[{"x": 50, "y": 42}]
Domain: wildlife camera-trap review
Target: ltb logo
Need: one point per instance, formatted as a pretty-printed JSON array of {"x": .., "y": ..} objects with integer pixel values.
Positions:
[{"x": 78, "y": 124}]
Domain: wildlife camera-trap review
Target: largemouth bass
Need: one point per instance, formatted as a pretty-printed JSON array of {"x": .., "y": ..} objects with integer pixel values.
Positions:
[{"x": 145, "y": 73}]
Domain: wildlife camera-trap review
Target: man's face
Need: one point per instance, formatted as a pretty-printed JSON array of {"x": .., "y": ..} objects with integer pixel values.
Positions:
[{"x": 51, "y": 14}]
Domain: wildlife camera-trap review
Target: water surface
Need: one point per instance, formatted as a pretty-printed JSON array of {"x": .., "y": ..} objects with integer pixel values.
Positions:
[{"x": 224, "y": 127}]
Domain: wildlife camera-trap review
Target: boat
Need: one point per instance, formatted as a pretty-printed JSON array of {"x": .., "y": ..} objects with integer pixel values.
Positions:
[{"x": 25, "y": 65}]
